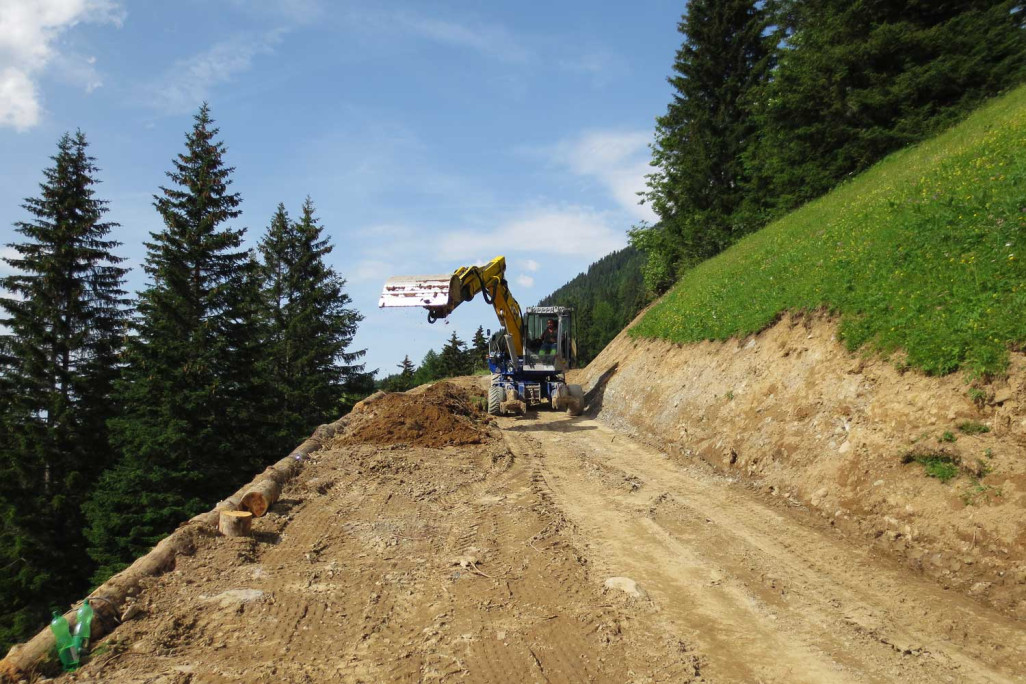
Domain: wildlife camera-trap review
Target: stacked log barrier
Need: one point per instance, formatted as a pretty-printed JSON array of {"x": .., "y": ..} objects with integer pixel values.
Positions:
[{"x": 107, "y": 601}]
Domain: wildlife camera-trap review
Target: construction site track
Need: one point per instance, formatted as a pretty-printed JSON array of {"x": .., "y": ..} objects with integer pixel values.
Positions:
[{"x": 554, "y": 551}]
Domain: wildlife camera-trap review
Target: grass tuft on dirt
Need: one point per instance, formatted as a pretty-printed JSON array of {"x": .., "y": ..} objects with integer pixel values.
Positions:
[
  {"x": 972, "y": 427},
  {"x": 924, "y": 253},
  {"x": 937, "y": 464},
  {"x": 442, "y": 415}
]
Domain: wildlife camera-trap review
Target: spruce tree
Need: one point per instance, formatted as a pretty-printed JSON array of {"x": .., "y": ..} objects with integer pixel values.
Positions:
[
  {"x": 311, "y": 325},
  {"x": 479, "y": 350},
  {"x": 406, "y": 371},
  {"x": 859, "y": 80},
  {"x": 65, "y": 327},
  {"x": 401, "y": 381},
  {"x": 453, "y": 359},
  {"x": 430, "y": 368},
  {"x": 194, "y": 418},
  {"x": 697, "y": 187}
]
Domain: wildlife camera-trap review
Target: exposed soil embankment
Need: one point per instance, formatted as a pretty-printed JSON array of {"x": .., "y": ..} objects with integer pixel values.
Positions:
[{"x": 848, "y": 437}]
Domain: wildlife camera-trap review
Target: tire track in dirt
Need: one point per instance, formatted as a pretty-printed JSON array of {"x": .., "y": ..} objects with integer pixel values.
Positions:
[
  {"x": 399, "y": 564},
  {"x": 763, "y": 596}
]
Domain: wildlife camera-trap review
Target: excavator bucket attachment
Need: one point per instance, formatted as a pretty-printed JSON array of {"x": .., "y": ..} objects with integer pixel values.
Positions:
[{"x": 433, "y": 292}]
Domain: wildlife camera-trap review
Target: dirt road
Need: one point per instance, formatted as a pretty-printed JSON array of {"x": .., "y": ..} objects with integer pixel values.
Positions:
[
  {"x": 489, "y": 563},
  {"x": 755, "y": 590}
]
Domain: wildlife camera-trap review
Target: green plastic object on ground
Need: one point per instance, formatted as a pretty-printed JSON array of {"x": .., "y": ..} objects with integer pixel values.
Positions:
[
  {"x": 66, "y": 650},
  {"x": 83, "y": 628}
]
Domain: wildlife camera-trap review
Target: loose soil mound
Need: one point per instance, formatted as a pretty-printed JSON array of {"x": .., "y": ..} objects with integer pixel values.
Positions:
[{"x": 442, "y": 415}]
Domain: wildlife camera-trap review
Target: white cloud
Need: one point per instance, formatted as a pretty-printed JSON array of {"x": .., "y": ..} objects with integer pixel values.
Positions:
[
  {"x": 616, "y": 159},
  {"x": 191, "y": 81},
  {"x": 568, "y": 231},
  {"x": 384, "y": 233},
  {"x": 491, "y": 40},
  {"x": 78, "y": 71},
  {"x": 602, "y": 65},
  {"x": 19, "y": 101},
  {"x": 297, "y": 12},
  {"x": 532, "y": 265},
  {"x": 525, "y": 280},
  {"x": 368, "y": 270},
  {"x": 29, "y": 30}
]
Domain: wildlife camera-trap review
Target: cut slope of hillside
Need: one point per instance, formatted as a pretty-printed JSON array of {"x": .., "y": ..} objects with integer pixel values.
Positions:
[
  {"x": 852, "y": 442},
  {"x": 922, "y": 253}
]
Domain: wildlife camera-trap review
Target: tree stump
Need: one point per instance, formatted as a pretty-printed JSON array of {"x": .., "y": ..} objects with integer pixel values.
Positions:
[
  {"x": 259, "y": 497},
  {"x": 235, "y": 523}
]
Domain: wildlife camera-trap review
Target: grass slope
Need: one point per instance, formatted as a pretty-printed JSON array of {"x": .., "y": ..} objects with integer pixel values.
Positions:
[{"x": 924, "y": 253}]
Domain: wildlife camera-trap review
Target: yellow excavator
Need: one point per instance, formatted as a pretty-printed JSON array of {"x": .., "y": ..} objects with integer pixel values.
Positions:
[{"x": 528, "y": 356}]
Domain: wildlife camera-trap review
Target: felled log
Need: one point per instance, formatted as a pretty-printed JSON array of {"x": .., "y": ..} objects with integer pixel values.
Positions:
[
  {"x": 108, "y": 599},
  {"x": 235, "y": 523},
  {"x": 260, "y": 497}
]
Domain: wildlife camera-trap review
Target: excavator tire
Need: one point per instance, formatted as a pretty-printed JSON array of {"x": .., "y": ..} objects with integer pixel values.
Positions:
[
  {"x": 559, "y": 398},
  {"x": 496, "y": 395},
  {"x": 575, "y": 400}
]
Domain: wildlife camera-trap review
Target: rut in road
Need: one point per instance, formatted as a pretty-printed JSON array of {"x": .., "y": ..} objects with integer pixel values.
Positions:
[{"x": 760, "y": 592}]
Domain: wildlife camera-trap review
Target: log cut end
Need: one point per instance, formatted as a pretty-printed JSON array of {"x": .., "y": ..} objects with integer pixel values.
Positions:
[
  {"x": 235, "y": 523},
  {"x": 260, "y": 497}
]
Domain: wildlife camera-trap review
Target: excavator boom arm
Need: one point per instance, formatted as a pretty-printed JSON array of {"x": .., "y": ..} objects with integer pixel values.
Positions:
[{"x": 440, "y": 294}]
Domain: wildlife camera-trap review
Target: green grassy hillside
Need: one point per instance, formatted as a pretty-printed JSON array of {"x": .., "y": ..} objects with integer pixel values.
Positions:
[{"x": 923, "y": 253}]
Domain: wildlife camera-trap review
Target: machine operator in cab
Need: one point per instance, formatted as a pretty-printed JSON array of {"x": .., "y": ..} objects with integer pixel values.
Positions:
[{"x": 548, "y": 337}]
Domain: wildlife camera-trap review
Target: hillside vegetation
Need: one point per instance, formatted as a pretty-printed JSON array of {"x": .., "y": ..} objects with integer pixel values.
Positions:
[
  {"x": 605, "y": 298},
  {"x": 921, "y": 253}
]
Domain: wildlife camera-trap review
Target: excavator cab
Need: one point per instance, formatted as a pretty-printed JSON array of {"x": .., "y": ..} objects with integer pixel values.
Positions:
[{"x": 550, "y": 339}]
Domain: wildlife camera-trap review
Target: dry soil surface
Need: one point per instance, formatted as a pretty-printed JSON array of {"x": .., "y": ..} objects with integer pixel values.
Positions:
[
  {"x": 794, "y": 413},
  {"x": 554, "y": 550}
]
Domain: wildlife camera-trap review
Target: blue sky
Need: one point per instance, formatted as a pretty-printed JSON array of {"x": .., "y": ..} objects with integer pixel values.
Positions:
[{"x": 428, "y": 134}]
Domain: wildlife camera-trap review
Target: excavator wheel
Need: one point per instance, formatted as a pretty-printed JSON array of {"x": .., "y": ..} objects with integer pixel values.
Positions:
[
  {"x": 559, "y": 398},
  {"x": 575, "y": 400},
  {"x": 496, "y": 395}
]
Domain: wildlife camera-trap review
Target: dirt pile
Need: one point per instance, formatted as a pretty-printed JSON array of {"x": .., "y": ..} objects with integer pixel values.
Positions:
[
  {"x": 929, "y": 470},
  {"x": 442, "y": 415}
]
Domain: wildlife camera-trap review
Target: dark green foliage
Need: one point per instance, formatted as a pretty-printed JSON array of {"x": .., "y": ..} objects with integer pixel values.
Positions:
[
  {"x": 698, "y": 185},
  {"x": 359, "y": 386},
  {"x": 401, "y": 381},
  {"x": 310, "y": 326},
  {"x": 454, "y": 359},
  {"x": 58, "y": 361},
  {"x": 744, "y": 141},
  {"x": 605, "y": 299},
  {"x": 430, "y": 369},
  {"x": 859, "y": 80},
  {"x": 194, "y": 423},
  {"x": 939, "y": 464},
  {"x": 479, "y": 349}
]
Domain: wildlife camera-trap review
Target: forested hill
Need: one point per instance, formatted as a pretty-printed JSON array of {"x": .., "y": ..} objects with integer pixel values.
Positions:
[{"x": 606, "y": 298}]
